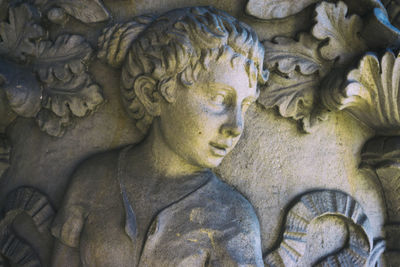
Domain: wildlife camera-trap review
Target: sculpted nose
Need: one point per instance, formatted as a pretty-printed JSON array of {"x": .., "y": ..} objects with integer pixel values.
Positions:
[{"x": 234, "y": 125}]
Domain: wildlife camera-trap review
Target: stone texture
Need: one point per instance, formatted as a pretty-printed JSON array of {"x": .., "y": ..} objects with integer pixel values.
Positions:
[{"x": 274, "y": 165}]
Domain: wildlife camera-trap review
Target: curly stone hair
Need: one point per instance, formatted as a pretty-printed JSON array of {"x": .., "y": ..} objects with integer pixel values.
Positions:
[{"x": 178, "y": 45}]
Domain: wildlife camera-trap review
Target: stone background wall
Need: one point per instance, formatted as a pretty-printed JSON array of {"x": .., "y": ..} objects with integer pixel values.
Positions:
[{"x": 274, "y": 163}]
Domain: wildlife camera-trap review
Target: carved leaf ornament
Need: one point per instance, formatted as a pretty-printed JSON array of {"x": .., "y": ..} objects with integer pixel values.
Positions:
[
  {"x": 276, "y": 9},
  {"x": 299, "y": 66},
  {"x": 371, "y": 92},
  {"x": 18, "y": 33},
  {"x": 87, "y": 11},
  {"x": 296, "y": 69},
  {"x": 341, "y": 30},
  {"x": 280, "y": 9},
  {"x": 66, "y": 87},
  {"x": 288, "y": 54}
]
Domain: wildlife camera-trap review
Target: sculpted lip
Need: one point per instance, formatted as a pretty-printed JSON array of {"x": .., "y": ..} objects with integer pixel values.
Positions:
[{"x": 219, "y": 149}]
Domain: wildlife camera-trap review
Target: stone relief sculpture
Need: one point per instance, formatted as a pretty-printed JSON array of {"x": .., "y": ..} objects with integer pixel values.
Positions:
[
  {"x": 178, "y": 84},
  {"x": 187, "y": 77}
]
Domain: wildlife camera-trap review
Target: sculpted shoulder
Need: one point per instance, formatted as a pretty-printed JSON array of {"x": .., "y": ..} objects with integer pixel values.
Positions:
[
  {"x": 229, "y": 198},
  {"x": 93, "y": 187},
  {"x": 94, "y": 181},
  {"x": 237, "y": 225}
]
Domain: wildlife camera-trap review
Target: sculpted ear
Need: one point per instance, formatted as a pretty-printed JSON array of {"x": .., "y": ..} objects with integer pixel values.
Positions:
[
  {"x": 145, "y": 90},
  {"x": 167, "y": 89}
]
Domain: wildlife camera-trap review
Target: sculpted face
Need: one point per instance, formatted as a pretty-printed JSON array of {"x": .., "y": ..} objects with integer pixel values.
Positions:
[{"x": 206, "y": 120}]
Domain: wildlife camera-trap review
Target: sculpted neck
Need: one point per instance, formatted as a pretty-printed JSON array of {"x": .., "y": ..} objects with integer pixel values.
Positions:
[{"x": 159, "y": 158}]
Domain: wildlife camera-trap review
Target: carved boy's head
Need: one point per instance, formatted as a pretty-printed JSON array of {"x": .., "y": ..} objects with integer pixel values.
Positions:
[{"x": 186, "y": 56}]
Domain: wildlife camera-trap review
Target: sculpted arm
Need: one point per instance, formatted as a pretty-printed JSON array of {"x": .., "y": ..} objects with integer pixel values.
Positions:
[
  {"x": 66, "y": 229},
  {"x": 70, "y": 219},
  {"x": 97, "y": 174}
]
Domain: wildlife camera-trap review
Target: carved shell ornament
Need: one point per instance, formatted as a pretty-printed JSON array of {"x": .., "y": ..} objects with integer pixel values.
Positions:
[
  {"x": 29, "y": 201},
  {"x": 331, "y": 228}
]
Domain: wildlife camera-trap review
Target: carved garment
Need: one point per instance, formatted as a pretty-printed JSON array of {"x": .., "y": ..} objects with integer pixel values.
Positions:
[{"x": 213, "y": 225}]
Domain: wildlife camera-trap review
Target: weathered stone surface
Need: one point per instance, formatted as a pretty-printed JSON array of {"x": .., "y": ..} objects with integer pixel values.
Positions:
[{"x": 73, "y": 75}]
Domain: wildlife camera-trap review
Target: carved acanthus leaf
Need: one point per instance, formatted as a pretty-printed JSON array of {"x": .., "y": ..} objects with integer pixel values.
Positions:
[
  {"x": 302, "y": 67},
  {"x": 293, "y": 94},
  {"x": 371, "y": 92},
  {"x": 342, "y": 31},
  {"x": 87, "y": 11},
  {"x": 51, "y": 123},
  {"x": 65, "y": 88},
  {"x": 68, "y": 88},
  {"x": 296, "y": 71},
  {"x": 276, "y": 9},
  {"x": 17, "y": 35},
  {"x": 287, "y": 54}
]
